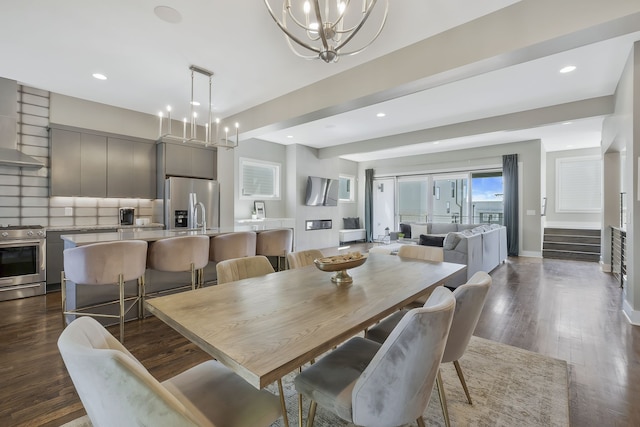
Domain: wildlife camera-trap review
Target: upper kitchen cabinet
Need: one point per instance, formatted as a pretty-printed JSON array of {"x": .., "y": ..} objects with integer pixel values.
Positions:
[
  {"x": 183, "y": 159},
  {"x": 130, "y": 169},
  {"x": 95, "y": 164},
  {"x": 78, "y": 164}
]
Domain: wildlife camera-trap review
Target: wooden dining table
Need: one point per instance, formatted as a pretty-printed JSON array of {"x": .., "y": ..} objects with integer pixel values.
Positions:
[{"x": 265, "y": 327}]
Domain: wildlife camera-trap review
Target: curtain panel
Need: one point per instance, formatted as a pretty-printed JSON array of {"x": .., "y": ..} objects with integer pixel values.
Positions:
[{"x": 511, "y": 215}]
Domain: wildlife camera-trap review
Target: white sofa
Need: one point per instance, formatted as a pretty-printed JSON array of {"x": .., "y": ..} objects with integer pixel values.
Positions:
[{"x": 480, "y": 247}]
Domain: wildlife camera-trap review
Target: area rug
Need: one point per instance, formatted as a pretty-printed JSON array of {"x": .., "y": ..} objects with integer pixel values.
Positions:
[{"x": 509, "y": 387}]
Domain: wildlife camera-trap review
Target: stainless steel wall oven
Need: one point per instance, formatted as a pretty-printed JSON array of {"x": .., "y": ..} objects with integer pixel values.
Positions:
[{"x": 22, "y": 261}]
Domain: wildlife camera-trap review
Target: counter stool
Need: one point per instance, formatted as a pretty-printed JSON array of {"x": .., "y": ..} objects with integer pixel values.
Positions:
[
  {"x": 232, "y": 245},
  {"x": 275, "y": 243},
  {"x": 109, "y": 263},
  {"x": 180, "y": 254}
]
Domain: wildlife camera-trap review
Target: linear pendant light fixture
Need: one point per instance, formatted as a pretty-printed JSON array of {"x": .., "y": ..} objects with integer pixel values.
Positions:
[
  {"x": 324, "y": 27},
  {"x": 212, "y": 137}
]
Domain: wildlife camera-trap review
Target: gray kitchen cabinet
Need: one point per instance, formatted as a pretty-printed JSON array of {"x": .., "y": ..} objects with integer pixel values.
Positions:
[
  {"x": 78, "y": 164},
  {"x": 131, "y": 169},
  {"x": 55, "y": 251},
  {"x": 188, "y": 160}
]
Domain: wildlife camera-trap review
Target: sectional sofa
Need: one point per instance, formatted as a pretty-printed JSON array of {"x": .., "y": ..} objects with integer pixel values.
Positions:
[{"x": 481, "y": 247}]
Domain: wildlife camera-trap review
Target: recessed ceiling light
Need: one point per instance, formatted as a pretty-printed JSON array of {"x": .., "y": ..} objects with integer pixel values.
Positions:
[
  {"x": 436, "y": 142},
  {"x": 289, "y": 136},
  {"x": 566, "y": 123},
  {"x": 567, "y": 69},
  {"x": 380, "y": 115},
  {"x": 168, "y": 14},
  {"x": 99, "y": 76}
]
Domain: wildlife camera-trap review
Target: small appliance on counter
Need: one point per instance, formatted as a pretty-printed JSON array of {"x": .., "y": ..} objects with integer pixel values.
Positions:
[{"x": 127, "y": 216}]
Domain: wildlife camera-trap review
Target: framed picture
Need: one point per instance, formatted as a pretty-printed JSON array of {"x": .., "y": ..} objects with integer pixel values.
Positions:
[{"x": 259, "y": 208}]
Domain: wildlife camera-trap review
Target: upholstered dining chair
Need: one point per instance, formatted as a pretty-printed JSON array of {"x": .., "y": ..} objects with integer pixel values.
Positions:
[
  {"x": 180, "y": 254},
  {"x": 275, "y": 243},
  {"x": 301, "y": 259},
  {"x": 424, "y": 253},
  {"x": 108, "y": 263},
  {"x": 232, "y": 245},
  {"x": 243, "y": 268},
  {"x": 470, "y": 299},
  {"x": 116, "y": 390},
  {"x": 382, "y": 385}
]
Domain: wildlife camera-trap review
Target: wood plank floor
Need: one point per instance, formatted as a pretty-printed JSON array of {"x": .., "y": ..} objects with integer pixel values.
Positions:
[{"x": 564, "y": 309}]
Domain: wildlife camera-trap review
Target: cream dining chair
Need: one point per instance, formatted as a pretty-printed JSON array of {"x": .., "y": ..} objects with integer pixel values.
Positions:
[
  {"x": 382, "y": 385},
  {"x": 303, "y": 258},
  {"x": 116, "y": 390},
  {"x": 424, "y": 253},
  {"x": 470, "y": 299}
]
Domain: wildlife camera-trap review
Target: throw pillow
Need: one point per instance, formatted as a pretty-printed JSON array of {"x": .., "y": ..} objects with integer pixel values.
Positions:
[
  {"x": 431, "y": 240},
  {"x": 451, "y": 241},
  {"x": 418, "y": 229},
  {"x": 351, "y": 223}
]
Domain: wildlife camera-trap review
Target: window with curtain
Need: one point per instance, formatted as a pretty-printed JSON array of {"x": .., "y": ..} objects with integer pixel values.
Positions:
[
  {"x": 579, "y": 184},
  {"x": 259, "y": 179}
]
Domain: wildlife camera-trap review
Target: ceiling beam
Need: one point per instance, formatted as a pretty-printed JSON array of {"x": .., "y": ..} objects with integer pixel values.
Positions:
[{"x": 593, "y": 107}]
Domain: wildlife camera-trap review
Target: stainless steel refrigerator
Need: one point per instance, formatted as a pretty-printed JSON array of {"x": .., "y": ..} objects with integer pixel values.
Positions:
[{"x": 179, "y": 203}]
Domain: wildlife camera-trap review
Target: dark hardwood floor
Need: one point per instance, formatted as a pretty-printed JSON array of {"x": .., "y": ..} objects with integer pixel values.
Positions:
[{"x": 563, "y": 309}]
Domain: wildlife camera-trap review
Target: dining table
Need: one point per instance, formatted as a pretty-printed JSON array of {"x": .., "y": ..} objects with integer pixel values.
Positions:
[{"x": 265, "y": 327}]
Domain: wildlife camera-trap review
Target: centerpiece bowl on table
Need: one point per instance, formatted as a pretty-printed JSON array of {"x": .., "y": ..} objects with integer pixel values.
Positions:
[{"x": 340, "y": 264}]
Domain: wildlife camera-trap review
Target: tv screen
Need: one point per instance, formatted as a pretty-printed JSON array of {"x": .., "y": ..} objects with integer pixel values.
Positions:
[{"x": 321, "y": 191}]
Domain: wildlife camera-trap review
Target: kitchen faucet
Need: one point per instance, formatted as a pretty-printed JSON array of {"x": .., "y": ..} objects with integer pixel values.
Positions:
[{"x": 194, "y": 204}]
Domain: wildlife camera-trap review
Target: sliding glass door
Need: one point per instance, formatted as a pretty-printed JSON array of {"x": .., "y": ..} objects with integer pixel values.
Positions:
[
  {"x": 413, "y": 199},
  {"x": 487, "y": 197},
  {"x": 450, "y": 203}
]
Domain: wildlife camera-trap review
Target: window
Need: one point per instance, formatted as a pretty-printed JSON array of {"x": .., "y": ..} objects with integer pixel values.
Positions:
[
  {"x": 487, "y": 191},
  {"x": 345, "y": 190},
  {"x": 259, "y": 179},
  {"x": 578, "y": 184}
]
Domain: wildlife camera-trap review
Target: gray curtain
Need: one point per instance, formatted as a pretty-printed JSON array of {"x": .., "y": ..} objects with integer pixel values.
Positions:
[
  {"x": 510, "y": 177},
  {"x": 368, "y": 203}
]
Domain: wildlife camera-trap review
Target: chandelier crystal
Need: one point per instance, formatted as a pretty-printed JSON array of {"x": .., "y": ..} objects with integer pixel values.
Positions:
[
  {"x": 212, "y": 127},
  {"x": 325, "y": 27}
]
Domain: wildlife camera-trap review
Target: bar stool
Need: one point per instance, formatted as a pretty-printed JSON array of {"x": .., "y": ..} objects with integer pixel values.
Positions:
[
  {"x": 232, "y": 245},
  {"x": 276, "y": 243},
  {"x": 109, "y": 263},
  {"x": 180, "y": 254}
]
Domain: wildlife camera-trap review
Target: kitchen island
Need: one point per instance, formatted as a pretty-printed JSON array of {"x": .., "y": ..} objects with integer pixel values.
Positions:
[{"x": 156, "y": 281}]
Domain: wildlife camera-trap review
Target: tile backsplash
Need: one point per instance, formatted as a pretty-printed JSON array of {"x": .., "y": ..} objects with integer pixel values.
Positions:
[{"x": 24, "y": 193}]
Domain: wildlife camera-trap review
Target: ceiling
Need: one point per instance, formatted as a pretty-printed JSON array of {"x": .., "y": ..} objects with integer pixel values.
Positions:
[{"x": 57, "y": 46}]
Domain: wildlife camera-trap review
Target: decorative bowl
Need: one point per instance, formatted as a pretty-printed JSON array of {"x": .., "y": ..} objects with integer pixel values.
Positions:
[{"x": 340, "y": 264}]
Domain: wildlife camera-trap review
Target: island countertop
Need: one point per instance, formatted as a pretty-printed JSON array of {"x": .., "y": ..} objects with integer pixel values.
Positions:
[{"x": 72, "y": 240}]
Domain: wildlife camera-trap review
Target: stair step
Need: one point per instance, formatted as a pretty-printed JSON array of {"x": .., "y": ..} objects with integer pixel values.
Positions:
[
  {"x": 569, "y": 255},
  {"x": 573, "y": 231},
  {"x": 571, "y": 247},
  {"x": 572, "y": 239}
]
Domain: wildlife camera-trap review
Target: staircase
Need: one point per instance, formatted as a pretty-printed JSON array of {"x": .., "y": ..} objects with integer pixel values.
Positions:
[{"x": 573, "y": 244}]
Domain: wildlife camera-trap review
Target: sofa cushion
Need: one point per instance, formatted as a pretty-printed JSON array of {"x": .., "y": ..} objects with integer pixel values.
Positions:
[
  {"x": 443, "y": 228},
  {"x": 418, "y": 229},
  {"x": 351, "y": 223},
  {"x": 427, "y": 240},
  {"x": 451, "y": 241}
]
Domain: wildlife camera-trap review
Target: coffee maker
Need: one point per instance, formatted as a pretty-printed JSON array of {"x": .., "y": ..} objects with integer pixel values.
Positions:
[{"x": 127, "y": 216}]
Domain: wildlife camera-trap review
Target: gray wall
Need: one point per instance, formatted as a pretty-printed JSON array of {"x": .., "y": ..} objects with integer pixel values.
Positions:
[
  {"x": 530, "y": 160},
  {"x": 622, "y": 132}
]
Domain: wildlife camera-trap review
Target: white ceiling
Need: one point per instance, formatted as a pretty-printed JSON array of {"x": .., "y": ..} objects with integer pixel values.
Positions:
[{"x": 57, "y": 46}]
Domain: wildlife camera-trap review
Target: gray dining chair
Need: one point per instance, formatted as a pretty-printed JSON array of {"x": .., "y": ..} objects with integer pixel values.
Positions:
[
  {"x": 116, "y": 390},
  {"x": 301, "y": 259},
  {"x": 389, "y": 384},
  {"x": 470, "y": 299}
]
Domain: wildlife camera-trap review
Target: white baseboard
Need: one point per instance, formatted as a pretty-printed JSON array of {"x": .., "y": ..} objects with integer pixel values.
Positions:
[
  {"x": 605, "y": 268},
  {"x": 531, "y": 254},
  {"x": 633, "y": 316}
]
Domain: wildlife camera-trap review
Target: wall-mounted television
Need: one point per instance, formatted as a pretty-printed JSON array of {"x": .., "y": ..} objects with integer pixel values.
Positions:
[{"x": 322, "y": 191}]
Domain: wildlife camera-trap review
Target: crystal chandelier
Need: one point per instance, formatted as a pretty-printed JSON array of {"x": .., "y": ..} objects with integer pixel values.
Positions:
[
  {"x": 212, "y": 132},
  {"x": 325, "y": 26}
]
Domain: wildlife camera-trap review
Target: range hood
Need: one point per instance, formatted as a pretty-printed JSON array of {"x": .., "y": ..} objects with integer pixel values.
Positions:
[{"x": 9, "y": 153}]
